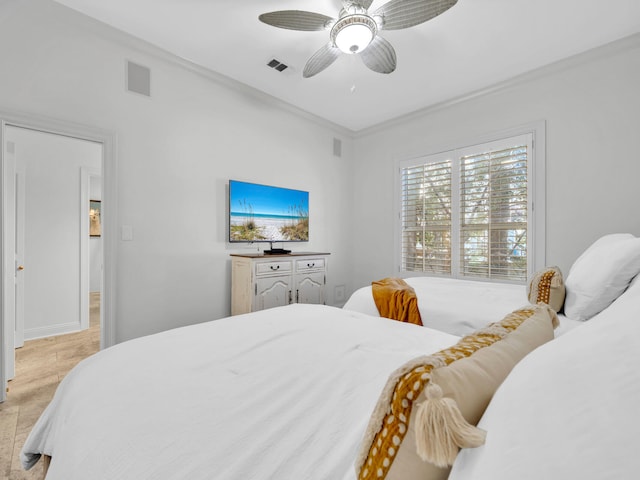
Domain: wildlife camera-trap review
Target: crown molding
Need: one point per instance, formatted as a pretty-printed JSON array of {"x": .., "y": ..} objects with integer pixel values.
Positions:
[
  {"x": 96, "y": 27},
  {"x": 124, "y": 39},
  {"x": 604, "y": 51}
]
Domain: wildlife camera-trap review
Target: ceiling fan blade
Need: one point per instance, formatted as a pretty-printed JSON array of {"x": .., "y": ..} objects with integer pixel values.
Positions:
[
  {"x": 398, "y": 14},
  {"x": 379, "y": 56},
  {"x": 321, "y": 60},
  {"x": 296, "y": 20},
  {"x": 363, "y": 3}
]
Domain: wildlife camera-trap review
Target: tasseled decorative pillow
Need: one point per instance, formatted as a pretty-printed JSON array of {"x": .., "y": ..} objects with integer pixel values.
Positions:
[
  {"x": 547, "y": 286},
  {"x": 450, "y": 391}
]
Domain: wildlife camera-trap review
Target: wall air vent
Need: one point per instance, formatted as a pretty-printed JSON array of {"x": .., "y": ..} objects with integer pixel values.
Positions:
[
  {"x": 337, "y": 147},
  {"x": 277, "y": 64},
  {"x": 138, "y": 79}
]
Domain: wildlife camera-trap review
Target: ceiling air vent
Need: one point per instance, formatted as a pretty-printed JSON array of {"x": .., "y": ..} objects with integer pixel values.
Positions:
[{"x": 277, "y": 64}]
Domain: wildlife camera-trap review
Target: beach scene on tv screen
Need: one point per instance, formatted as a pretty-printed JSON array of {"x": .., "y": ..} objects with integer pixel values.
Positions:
[{"x": 268, "y": 214}]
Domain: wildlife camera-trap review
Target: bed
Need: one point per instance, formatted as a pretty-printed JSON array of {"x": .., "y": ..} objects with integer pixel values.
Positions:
[
  {"x": 309, "y": 392},
  {"x": 457, "y": 306},
  {"x": 569, "y": 409},
  {"x": 597, "y": 277},
  {"x": 272, "y": 394}
]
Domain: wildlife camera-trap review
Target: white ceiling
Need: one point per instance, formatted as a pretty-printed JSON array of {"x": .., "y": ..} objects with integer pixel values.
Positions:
[{"x": 475, "y": 44}]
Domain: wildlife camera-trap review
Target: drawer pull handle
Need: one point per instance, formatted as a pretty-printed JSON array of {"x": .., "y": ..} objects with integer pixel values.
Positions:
[
  {"x": 311, "y": 265},
  {"x": 277, "y": 267}
]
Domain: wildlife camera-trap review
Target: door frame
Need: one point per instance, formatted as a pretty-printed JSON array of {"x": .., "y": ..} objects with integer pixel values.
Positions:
[
  {"x": 85, "y": 263},
  {"x": 20, "y": 172},
  {"x": 8, "y": 258},
  {"x": 109, "y": 223}
]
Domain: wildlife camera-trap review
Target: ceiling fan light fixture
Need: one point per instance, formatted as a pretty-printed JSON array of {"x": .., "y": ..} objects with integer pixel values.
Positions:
[
  {"x": 353, "y": 33},
  {"x": 356, "y": 30}
]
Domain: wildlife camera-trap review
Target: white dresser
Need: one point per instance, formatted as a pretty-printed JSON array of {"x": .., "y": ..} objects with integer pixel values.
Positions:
[{"x": 266, "y": 281}]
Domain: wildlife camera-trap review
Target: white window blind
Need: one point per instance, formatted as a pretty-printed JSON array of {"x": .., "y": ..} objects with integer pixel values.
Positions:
[
  {"x": 426, "y": 217},
  {"x": 467, "y": 212},
  {"x": 493, "y": 214}
]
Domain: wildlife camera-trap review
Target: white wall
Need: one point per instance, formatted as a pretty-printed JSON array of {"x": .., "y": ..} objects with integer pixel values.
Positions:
[
  {"x": 52, "y": 166},
  {"x": 176, "y": 152},
  {"x": 590, "y": 105}
]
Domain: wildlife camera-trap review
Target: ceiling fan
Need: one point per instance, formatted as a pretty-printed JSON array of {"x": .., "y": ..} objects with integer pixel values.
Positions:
[{"x": 355, "y": 31}]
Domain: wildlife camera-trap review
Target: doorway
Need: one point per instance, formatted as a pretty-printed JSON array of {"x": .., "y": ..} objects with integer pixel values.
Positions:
[
  {"x": 50, "y": 269},
  {"x": 54, "y": 245}
]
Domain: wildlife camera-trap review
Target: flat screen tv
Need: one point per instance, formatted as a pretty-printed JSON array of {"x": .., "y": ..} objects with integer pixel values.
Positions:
[{"x": 263, "y": 213}]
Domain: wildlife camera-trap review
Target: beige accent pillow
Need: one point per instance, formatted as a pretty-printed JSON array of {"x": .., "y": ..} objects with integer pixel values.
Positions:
[
  {"x": 468, "y": 372},
  {"x": 547, "y": 286}
]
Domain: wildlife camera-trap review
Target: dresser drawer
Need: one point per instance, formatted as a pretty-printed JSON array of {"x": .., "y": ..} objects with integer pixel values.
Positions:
[
  {"x": 310, "y": 264},
  {"x": 269, "y": 268}
]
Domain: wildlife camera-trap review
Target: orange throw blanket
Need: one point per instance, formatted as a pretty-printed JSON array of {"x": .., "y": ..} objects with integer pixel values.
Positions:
[{"x": 397, "y": 300}]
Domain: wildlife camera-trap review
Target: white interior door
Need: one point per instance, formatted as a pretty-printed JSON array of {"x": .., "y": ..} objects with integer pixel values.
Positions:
[
  {"x": 20, "y": 254},
  {"x": 9, "y": 264}
]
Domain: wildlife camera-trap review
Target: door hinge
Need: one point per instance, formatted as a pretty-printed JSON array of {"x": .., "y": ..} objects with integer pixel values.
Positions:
[{"x": 255, "y": 289}]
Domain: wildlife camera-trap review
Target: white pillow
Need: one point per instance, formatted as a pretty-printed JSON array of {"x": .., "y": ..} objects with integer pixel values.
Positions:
[
  {"x": 569, "y": 409},
  {"x": 601, "y": 274},
  {"x": 362, "y": 301}
]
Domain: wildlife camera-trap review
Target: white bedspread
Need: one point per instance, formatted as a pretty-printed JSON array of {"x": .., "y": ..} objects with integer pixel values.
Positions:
[
  {"x": 459, "y": 307},
  {"x": 569, "y": 410},
  {"x": 280, "y": 394}
]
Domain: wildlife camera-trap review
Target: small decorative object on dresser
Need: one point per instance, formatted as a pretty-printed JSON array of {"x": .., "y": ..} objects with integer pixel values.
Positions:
[{"x": 259, "y": 282}]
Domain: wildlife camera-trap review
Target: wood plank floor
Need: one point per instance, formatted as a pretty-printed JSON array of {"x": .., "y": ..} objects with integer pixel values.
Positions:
[{"x": 40, "y": 366}]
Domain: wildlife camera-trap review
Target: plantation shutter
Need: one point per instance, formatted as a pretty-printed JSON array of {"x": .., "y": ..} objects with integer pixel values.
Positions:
[
  {"x": 493, "y": 213},
  {"x": 426, "y": 217},
  {"x": 467, "y": 212}
]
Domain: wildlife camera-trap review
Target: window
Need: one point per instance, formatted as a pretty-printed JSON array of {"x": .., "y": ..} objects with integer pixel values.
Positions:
[
  {"x": 469, "y": 212},
  {"x": 426, "y": 217}
]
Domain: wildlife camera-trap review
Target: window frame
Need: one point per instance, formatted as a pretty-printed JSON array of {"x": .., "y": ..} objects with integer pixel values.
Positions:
[{"x": 536, "y": 208}]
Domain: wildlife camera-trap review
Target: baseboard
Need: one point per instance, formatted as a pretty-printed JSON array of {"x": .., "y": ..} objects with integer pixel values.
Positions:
[{"x": 51, "y": 330}]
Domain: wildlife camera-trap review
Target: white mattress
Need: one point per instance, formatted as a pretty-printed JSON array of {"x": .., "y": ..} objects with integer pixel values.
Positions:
[
  {"x": 285, "y": 393},
  {"x": 459, "y": 307}
]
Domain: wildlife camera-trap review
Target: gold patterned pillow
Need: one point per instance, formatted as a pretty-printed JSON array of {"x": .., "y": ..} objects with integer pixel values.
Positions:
[
  {"x": 429, "y": 406},
  {"x": 547, "y": 286}
]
